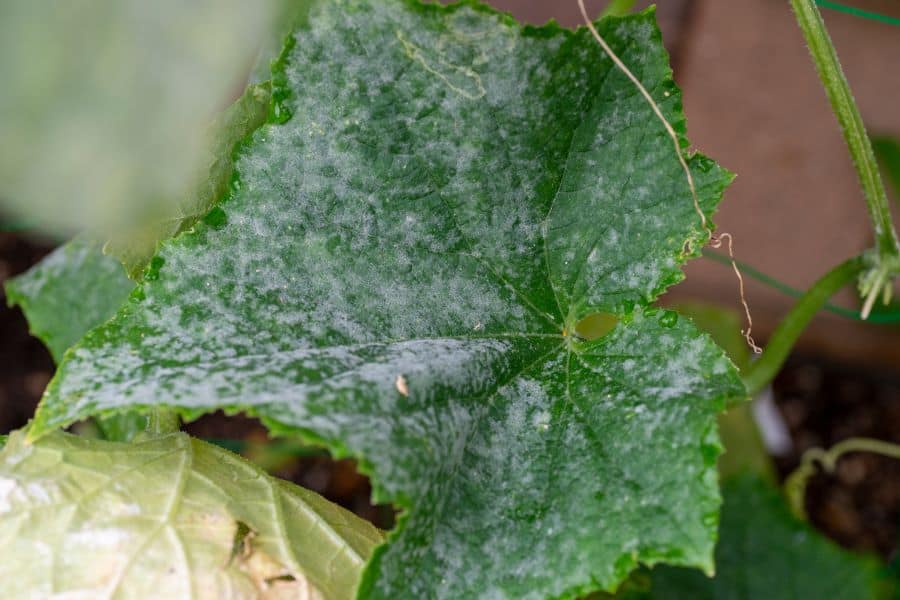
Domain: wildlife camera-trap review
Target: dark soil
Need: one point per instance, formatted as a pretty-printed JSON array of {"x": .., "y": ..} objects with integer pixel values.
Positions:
[
  {"x": 822, "y": 403},
  {"x": 25, "y": 364}
]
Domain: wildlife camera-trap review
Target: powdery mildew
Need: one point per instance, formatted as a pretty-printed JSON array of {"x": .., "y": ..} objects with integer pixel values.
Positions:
[{"x": 405, "y": 224}]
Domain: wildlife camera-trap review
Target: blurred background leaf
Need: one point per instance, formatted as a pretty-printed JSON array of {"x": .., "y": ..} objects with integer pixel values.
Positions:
[
  {"x": 764, "y": 552},
  {"x": 887, "y": 150},
  {"x": 104, "y": 104}
]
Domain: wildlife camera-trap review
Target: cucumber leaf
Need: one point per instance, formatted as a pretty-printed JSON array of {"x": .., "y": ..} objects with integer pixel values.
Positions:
[
  {"x": 441, "y": 196},
  {"x": 169, "y": 517},
  {"x": 72, "y": 290}
]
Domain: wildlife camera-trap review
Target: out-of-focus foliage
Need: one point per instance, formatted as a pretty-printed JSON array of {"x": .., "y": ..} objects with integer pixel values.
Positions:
[
  {"x": 887, "y": 149},
  {"x": 744, "y": 449},
  {"x": 763, "y": 552},
  {"x": 104, "y": 105}
]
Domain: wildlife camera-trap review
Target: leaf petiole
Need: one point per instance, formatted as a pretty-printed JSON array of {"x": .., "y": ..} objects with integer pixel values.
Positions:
[{"x": 161, "y": 421}]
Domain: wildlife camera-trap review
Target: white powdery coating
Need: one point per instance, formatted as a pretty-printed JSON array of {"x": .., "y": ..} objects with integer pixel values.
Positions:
[{"x": 395, "y": 228}]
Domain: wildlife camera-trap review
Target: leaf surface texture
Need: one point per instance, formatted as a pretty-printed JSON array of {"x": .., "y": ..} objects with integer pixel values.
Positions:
[
  {"x": 440, "y": 197},
  {"x": 169, "y": 517}
]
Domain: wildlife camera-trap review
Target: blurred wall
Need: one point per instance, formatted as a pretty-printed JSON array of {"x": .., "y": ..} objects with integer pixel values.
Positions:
[{"x": 755, "y": 104}]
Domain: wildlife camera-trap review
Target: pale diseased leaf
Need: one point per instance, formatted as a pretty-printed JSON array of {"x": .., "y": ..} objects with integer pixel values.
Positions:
[
  {"x": 170, "y": 517},
  {"x": 452, "y": 194}
]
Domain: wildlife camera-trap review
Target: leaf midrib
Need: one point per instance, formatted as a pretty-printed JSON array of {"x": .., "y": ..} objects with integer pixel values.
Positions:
[
  {"x": 590, "y": 99},
  {"x": 165, "y": 521}
]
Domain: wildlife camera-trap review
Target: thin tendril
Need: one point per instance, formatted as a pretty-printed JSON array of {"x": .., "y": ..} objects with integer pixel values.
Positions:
[{"x": 716, "y": 242}]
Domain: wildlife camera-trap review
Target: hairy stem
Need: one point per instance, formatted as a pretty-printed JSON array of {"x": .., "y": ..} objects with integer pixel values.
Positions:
[
  {"x": 761, "y": 372},
  {"x": 847, "y": 113},
  {"x": 162, "y": 421}
]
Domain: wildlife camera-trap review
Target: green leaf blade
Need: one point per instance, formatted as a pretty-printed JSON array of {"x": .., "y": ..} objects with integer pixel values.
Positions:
[
  {"x": 71, "y": 291},
  {"x": 386, "y": 282}
]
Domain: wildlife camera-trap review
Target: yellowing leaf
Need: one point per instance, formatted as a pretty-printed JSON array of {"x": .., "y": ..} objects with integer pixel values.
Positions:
[{"x": 170, "y": 517}]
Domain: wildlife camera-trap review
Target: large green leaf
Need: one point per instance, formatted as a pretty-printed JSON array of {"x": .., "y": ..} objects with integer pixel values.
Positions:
[
  {"x": 170, "y": 517},
  {"x": 398, "y": 276},
  {"x": 764, "y": 552}
]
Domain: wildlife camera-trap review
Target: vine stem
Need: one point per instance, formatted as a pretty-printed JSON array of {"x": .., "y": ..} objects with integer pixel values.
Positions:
[
  {"x": 763, "y": 370},
  {"x": 795, "y": 484},
  {"x": 847, "y": 113},
  {"x": 162, "y": 421}
]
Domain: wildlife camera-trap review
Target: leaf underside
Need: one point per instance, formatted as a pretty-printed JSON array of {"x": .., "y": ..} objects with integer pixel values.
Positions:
[
  {"x": 170, "y": 517},
  {"x": 397, "y": 276}
]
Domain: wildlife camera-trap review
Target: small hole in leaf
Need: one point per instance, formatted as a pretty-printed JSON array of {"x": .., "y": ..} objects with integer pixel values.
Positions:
[
  {"x": 597, "y": 325},
  {"x": 240, "y": 545}
]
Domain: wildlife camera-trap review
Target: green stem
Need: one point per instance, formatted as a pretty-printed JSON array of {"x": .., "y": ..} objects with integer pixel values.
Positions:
[
  {"x": 763, "y": 370},
  {"x": 795, "y": 483},
  {"x": 162, "y": 421},
  {"x": 847, "y": 113}
]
